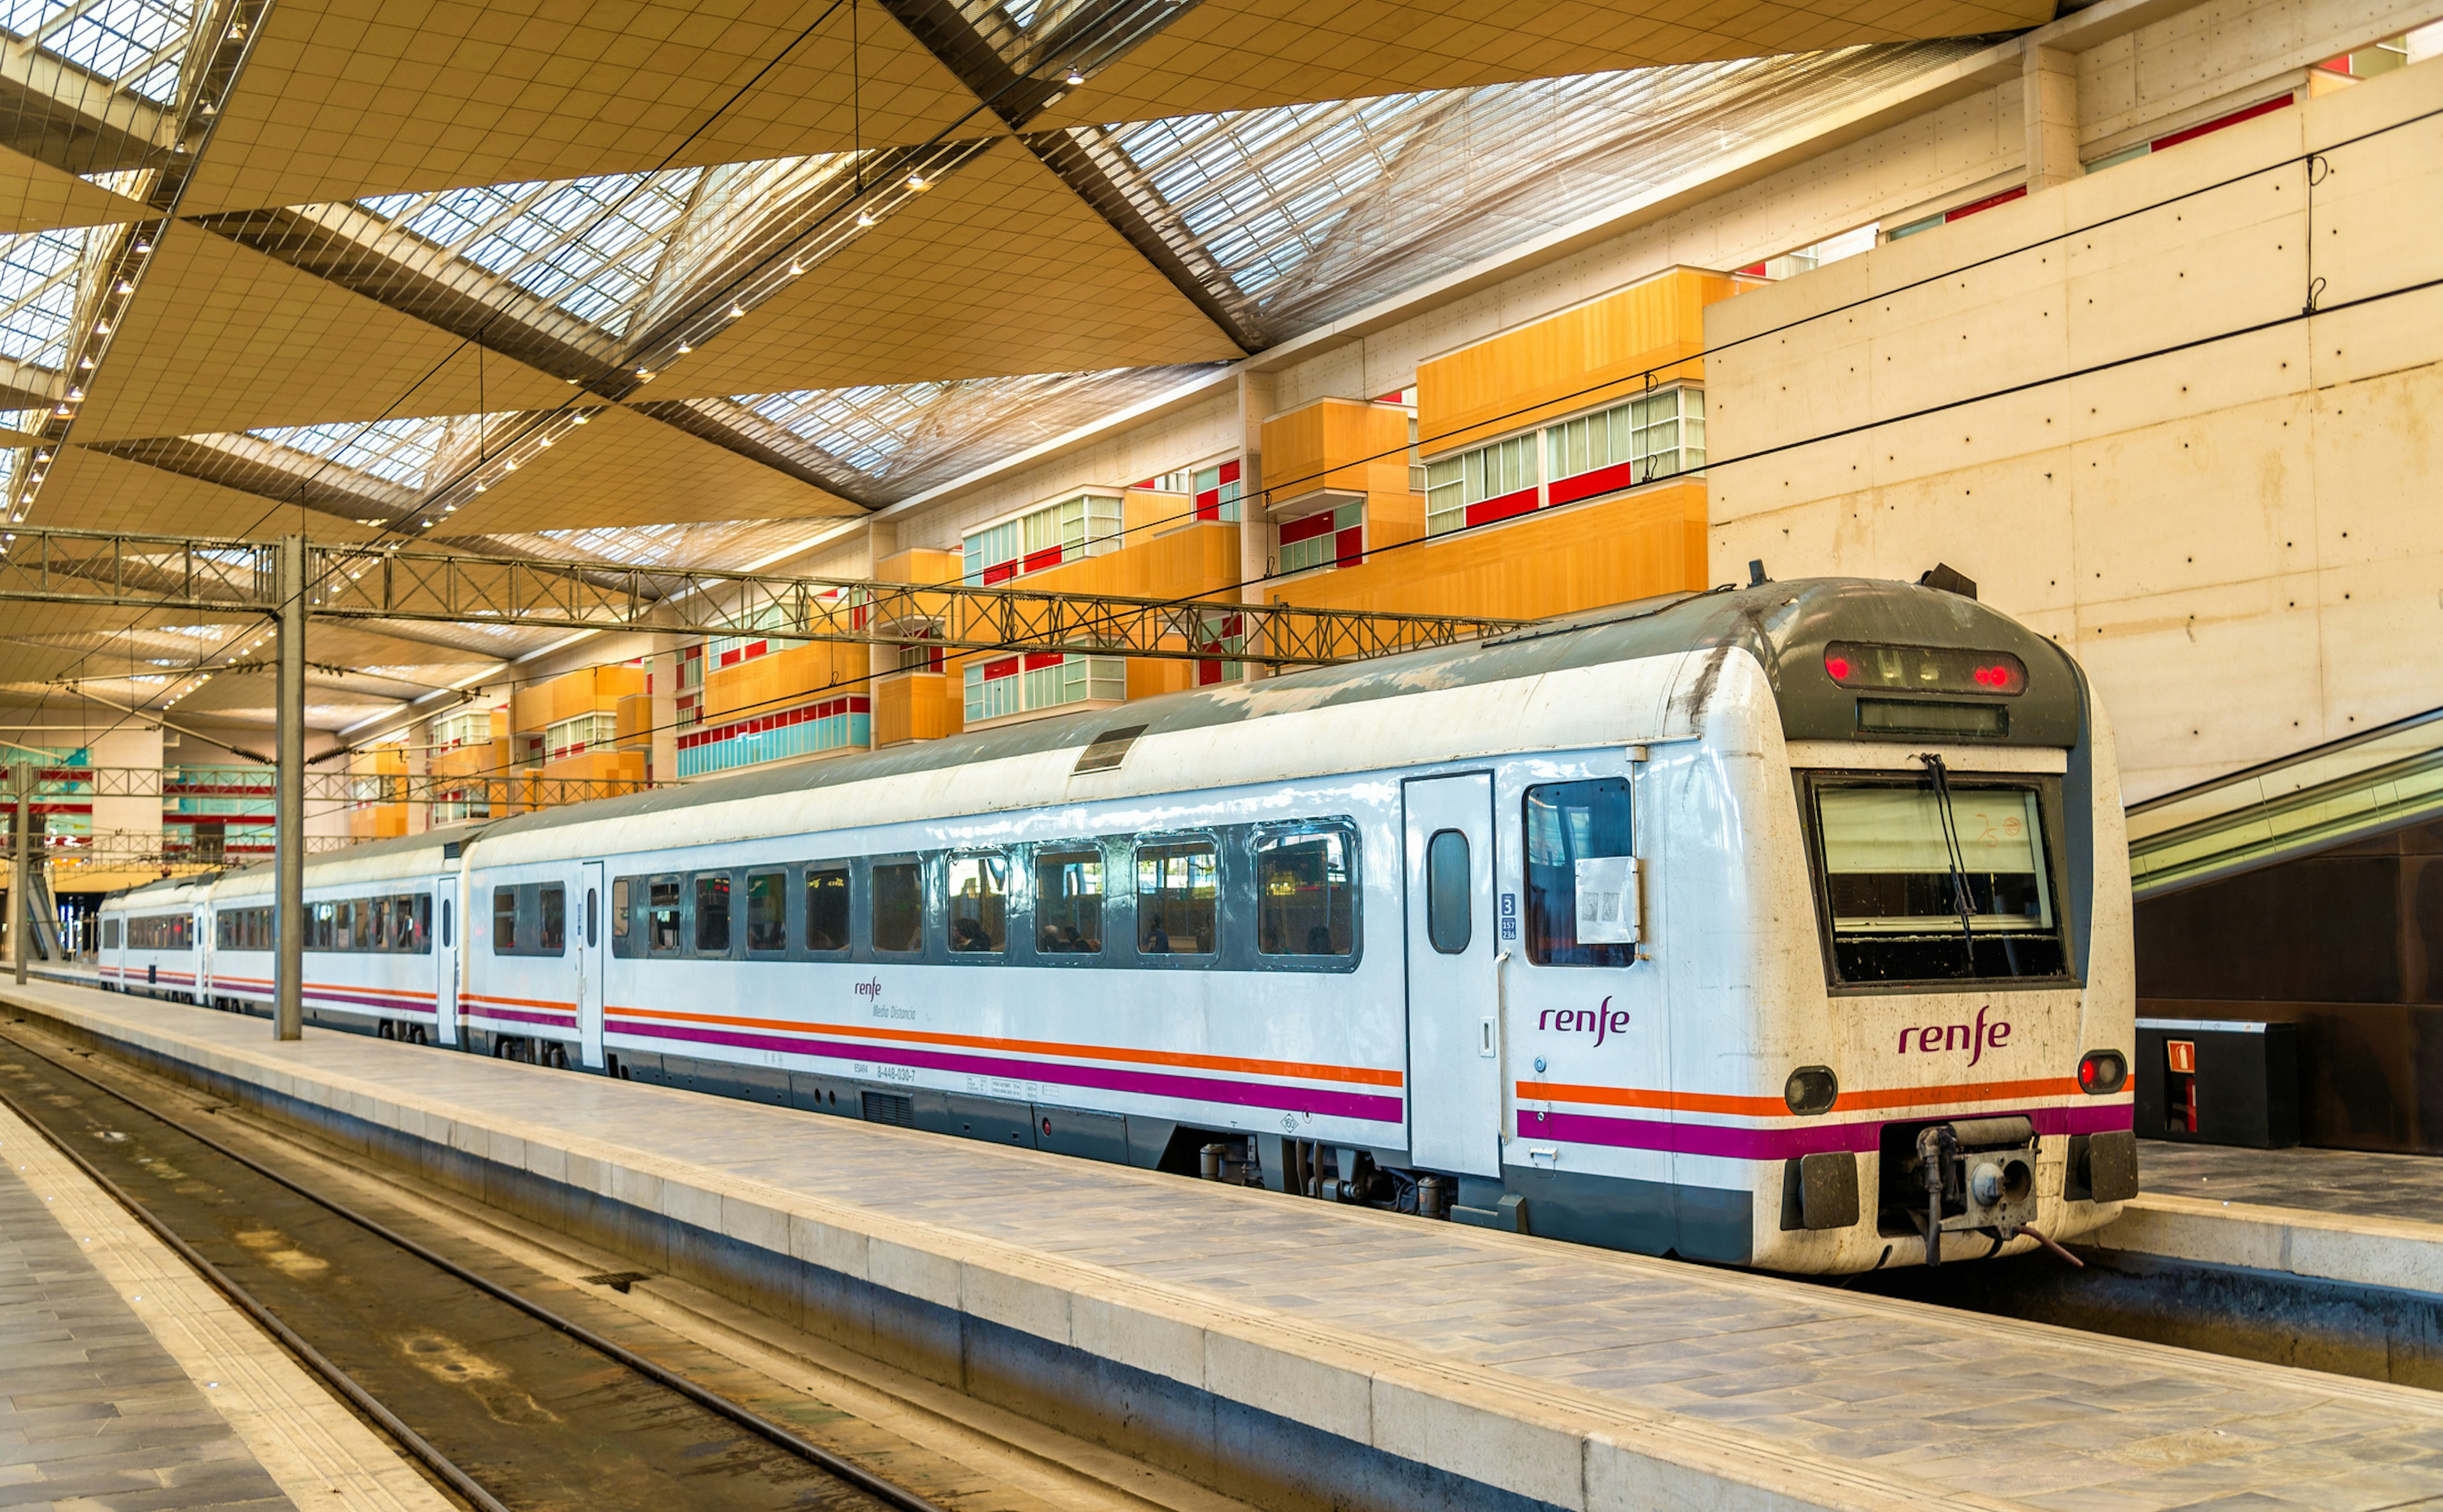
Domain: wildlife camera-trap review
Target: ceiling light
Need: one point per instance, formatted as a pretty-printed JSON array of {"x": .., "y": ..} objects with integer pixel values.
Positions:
[
  {"x": 511, "y": 466},
  {"x": 143, "y": 246},
  {"x": 62, "y": 410},
  {"x": 865, "y": 217},
  {"x": 546, "y": 441},
  {"x": 1076, "y": 77},
  {"x": 479, "y": 488},
  {"x": 795, "y": 268},
  {"x": 583, "y": 418},
  {"x": 76, "y": 393},
  {"x": 86, "y": 364},
  {"x": 685, "y": 349},
  {"x": 103, "y": 329},
  {"x": 125, "y": 287},
  {"x": 919, "y": 183},
  {"x": 737, "y": 310},
  {"x": 642, "y": 372}
]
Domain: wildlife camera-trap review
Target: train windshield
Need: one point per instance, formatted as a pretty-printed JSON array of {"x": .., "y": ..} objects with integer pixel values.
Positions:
[{"x": 1927, "y": 882}]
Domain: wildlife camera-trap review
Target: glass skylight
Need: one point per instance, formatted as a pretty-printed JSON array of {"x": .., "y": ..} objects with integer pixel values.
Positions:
[
  {"x": 134, "y": 44},
  {"x": 711, "y": 544},
  {"x": 1294, "y": 215},
  {"x": 38, "y": 292},
  {"x": 882, "y": 443},
  {"x": 589, "y": 246},
  {"x": 395, "y": 452}
]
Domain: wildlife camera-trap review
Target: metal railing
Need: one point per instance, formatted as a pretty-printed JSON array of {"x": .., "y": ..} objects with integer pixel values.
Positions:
[{"x": 2350, "y": 789}]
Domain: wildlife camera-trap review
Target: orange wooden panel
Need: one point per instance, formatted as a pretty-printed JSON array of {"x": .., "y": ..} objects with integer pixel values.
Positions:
[
  {"x": 918, "y": 565},
  {"x": 1598, "y": 353},
  {"x": 1548, "y": 563},
  {"x": 1351, "y": 445}
]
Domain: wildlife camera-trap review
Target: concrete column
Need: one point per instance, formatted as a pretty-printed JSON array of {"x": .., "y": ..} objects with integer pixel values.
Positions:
[
  {"x": 664, "y": 760},
  {"x": 21, "y": 912},
  {"x": 419, "y": 790},
  {"x": 2051, "y": 99},
  {"x": 289, "y": 809},
  {"x": 1256, "y": 531}
]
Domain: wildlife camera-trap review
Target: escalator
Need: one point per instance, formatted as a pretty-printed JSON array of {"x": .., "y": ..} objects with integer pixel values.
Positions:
[{"x": 2349, "y": 789}]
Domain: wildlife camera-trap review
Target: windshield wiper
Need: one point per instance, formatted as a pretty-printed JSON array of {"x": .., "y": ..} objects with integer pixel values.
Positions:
[{"x": 1953, "y": 854}]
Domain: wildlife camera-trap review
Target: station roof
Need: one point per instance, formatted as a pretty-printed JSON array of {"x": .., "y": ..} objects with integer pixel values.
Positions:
[{"x": 270, "y": 265}]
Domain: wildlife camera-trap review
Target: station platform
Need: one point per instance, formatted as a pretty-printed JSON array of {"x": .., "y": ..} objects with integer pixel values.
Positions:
[
  {"x": 2347, "y": 1215},
  {"x": 127, "y": 1383},
  {"x": 1297, "y": 1353}
]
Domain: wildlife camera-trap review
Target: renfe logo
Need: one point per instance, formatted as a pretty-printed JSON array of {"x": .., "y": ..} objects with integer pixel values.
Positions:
[
  {"x": 1974, "y": 1038},
  {"x": 870, "y": 989},
  {"x": 1600, "y": 1022}
]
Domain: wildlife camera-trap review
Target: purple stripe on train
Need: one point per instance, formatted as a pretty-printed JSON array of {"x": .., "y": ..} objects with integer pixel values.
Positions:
[
  {"x": 1743, "y": 1143},
  {"x": 1153, "y": 1083},
  {"x": 520, "y": 1015}
]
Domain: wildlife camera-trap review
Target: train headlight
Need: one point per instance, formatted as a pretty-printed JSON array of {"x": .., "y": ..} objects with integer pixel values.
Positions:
[
  {"x": 1811, "y": 1089},
  {"x": 2101, "y": 1072}
]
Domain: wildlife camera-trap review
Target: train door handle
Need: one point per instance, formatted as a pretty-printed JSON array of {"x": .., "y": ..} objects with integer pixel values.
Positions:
[{"x": 1484, "y": 1042}]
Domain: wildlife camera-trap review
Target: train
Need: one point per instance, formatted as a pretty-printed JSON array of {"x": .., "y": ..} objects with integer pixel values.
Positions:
[{"x": 1783, "y": 927}]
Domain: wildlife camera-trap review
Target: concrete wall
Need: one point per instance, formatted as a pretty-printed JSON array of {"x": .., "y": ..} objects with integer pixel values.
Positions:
[{"x": 2233, "y": 511}]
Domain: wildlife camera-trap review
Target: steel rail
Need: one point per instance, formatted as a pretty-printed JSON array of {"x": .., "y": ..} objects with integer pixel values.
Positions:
[
  {"x": 712, "y": 1401},
  {"x": 313, "y": 1359}
]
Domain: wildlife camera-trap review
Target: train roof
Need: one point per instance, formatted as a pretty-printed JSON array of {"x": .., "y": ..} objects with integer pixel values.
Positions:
[
  {"x": 1781, "y": 624},
  {"x": 418, "y": 855}
]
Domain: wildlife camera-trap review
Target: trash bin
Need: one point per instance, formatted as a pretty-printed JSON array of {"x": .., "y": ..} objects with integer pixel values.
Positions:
[{"x": 2218, "y": 1082}]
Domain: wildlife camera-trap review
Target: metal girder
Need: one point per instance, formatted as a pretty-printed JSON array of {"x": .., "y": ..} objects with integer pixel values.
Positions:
[
  {"x": 513, "y": 788},
  {"x": 209, "y": 576}
]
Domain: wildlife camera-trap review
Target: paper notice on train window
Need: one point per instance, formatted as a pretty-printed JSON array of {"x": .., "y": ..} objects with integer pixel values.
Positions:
[{"x": 1607, "y": 901}]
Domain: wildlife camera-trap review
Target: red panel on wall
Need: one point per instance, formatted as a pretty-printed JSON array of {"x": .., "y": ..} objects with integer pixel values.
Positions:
[
  {"x": 999, "y": 572},
  {"x": 1006, "y": 666},
  {"x": 1962, "y": 212},
  {"x": 1506, "y": 507},
  {"x": 1037, "y": 660},
  {"x": 1037, "y": 561},
  {"x": 1308, "y": 529},
  {"x": 1587, "y": 484},
  {"x": 2261, "y": 108}
]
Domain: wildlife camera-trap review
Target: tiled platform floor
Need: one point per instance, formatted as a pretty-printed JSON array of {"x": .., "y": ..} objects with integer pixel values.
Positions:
[
  {"x": 93, "y": 1411},
  {"x": 1525, "y": 1362},
  {"x": 2408, "y": 1187}
]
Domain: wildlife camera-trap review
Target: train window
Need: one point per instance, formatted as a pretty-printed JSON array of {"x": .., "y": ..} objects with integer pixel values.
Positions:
[
  {"x": 827, "y": 908},
  {"x": 662, "y": 916},
  {"x": 110, "y": 934},
  {"x": 445, "y": 924},
  {"x": 1567, "y": 824},
  {"x": 505, "y": 920},
  {"x": 1914, "y": 892},
  {"x": 713, "y": 913},
  {"x": 978, "y": 903},
  {"x": 554, "y": 934},
  {"x": 319, "y": 928},
  {"x": 1306, "y": 894},
  {"x": 386, "y": 930},
  {"x": 593, "y": 923},
  {"x": 1450, "y": 893},
  {"x": 898, "y": 907},
  {"x": 1067, "y": 903},
  {"x": 767, "y": 910},
  {"x": 1178, "y": 885},
  {"x": 619, "y": 909}
]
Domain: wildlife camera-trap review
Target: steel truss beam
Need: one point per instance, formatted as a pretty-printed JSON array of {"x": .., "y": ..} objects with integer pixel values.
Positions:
[
  {"x": 212, "y": 577},
  {"x": 509, "y": 791}
]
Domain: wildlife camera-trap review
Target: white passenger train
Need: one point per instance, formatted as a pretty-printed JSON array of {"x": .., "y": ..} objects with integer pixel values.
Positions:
[{"x": 1782, "y": 926}]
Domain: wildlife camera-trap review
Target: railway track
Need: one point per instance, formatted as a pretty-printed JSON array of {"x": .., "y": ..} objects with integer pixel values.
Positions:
[{"x": 507, "y": 1401}]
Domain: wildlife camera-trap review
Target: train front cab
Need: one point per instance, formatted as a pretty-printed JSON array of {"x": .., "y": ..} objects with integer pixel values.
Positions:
[{"x": 1944, "y": 1052}]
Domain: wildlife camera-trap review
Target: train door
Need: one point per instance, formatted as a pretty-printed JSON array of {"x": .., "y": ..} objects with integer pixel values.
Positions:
[
  {"x": 445, "y": 958},
  {"x": 1455, "y": 1040},
  {"x": 588, "y": 967},
  {"x": 206, "y": 942}
]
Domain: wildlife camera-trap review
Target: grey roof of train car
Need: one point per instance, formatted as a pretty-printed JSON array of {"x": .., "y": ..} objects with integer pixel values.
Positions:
[
  {"x": 1618, "y": 632},
  {"x": 1653, "y": 627}
]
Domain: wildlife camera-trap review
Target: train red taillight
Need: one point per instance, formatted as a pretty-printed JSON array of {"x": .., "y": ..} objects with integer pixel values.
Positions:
[{"x": 2101, "y": 1072}]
